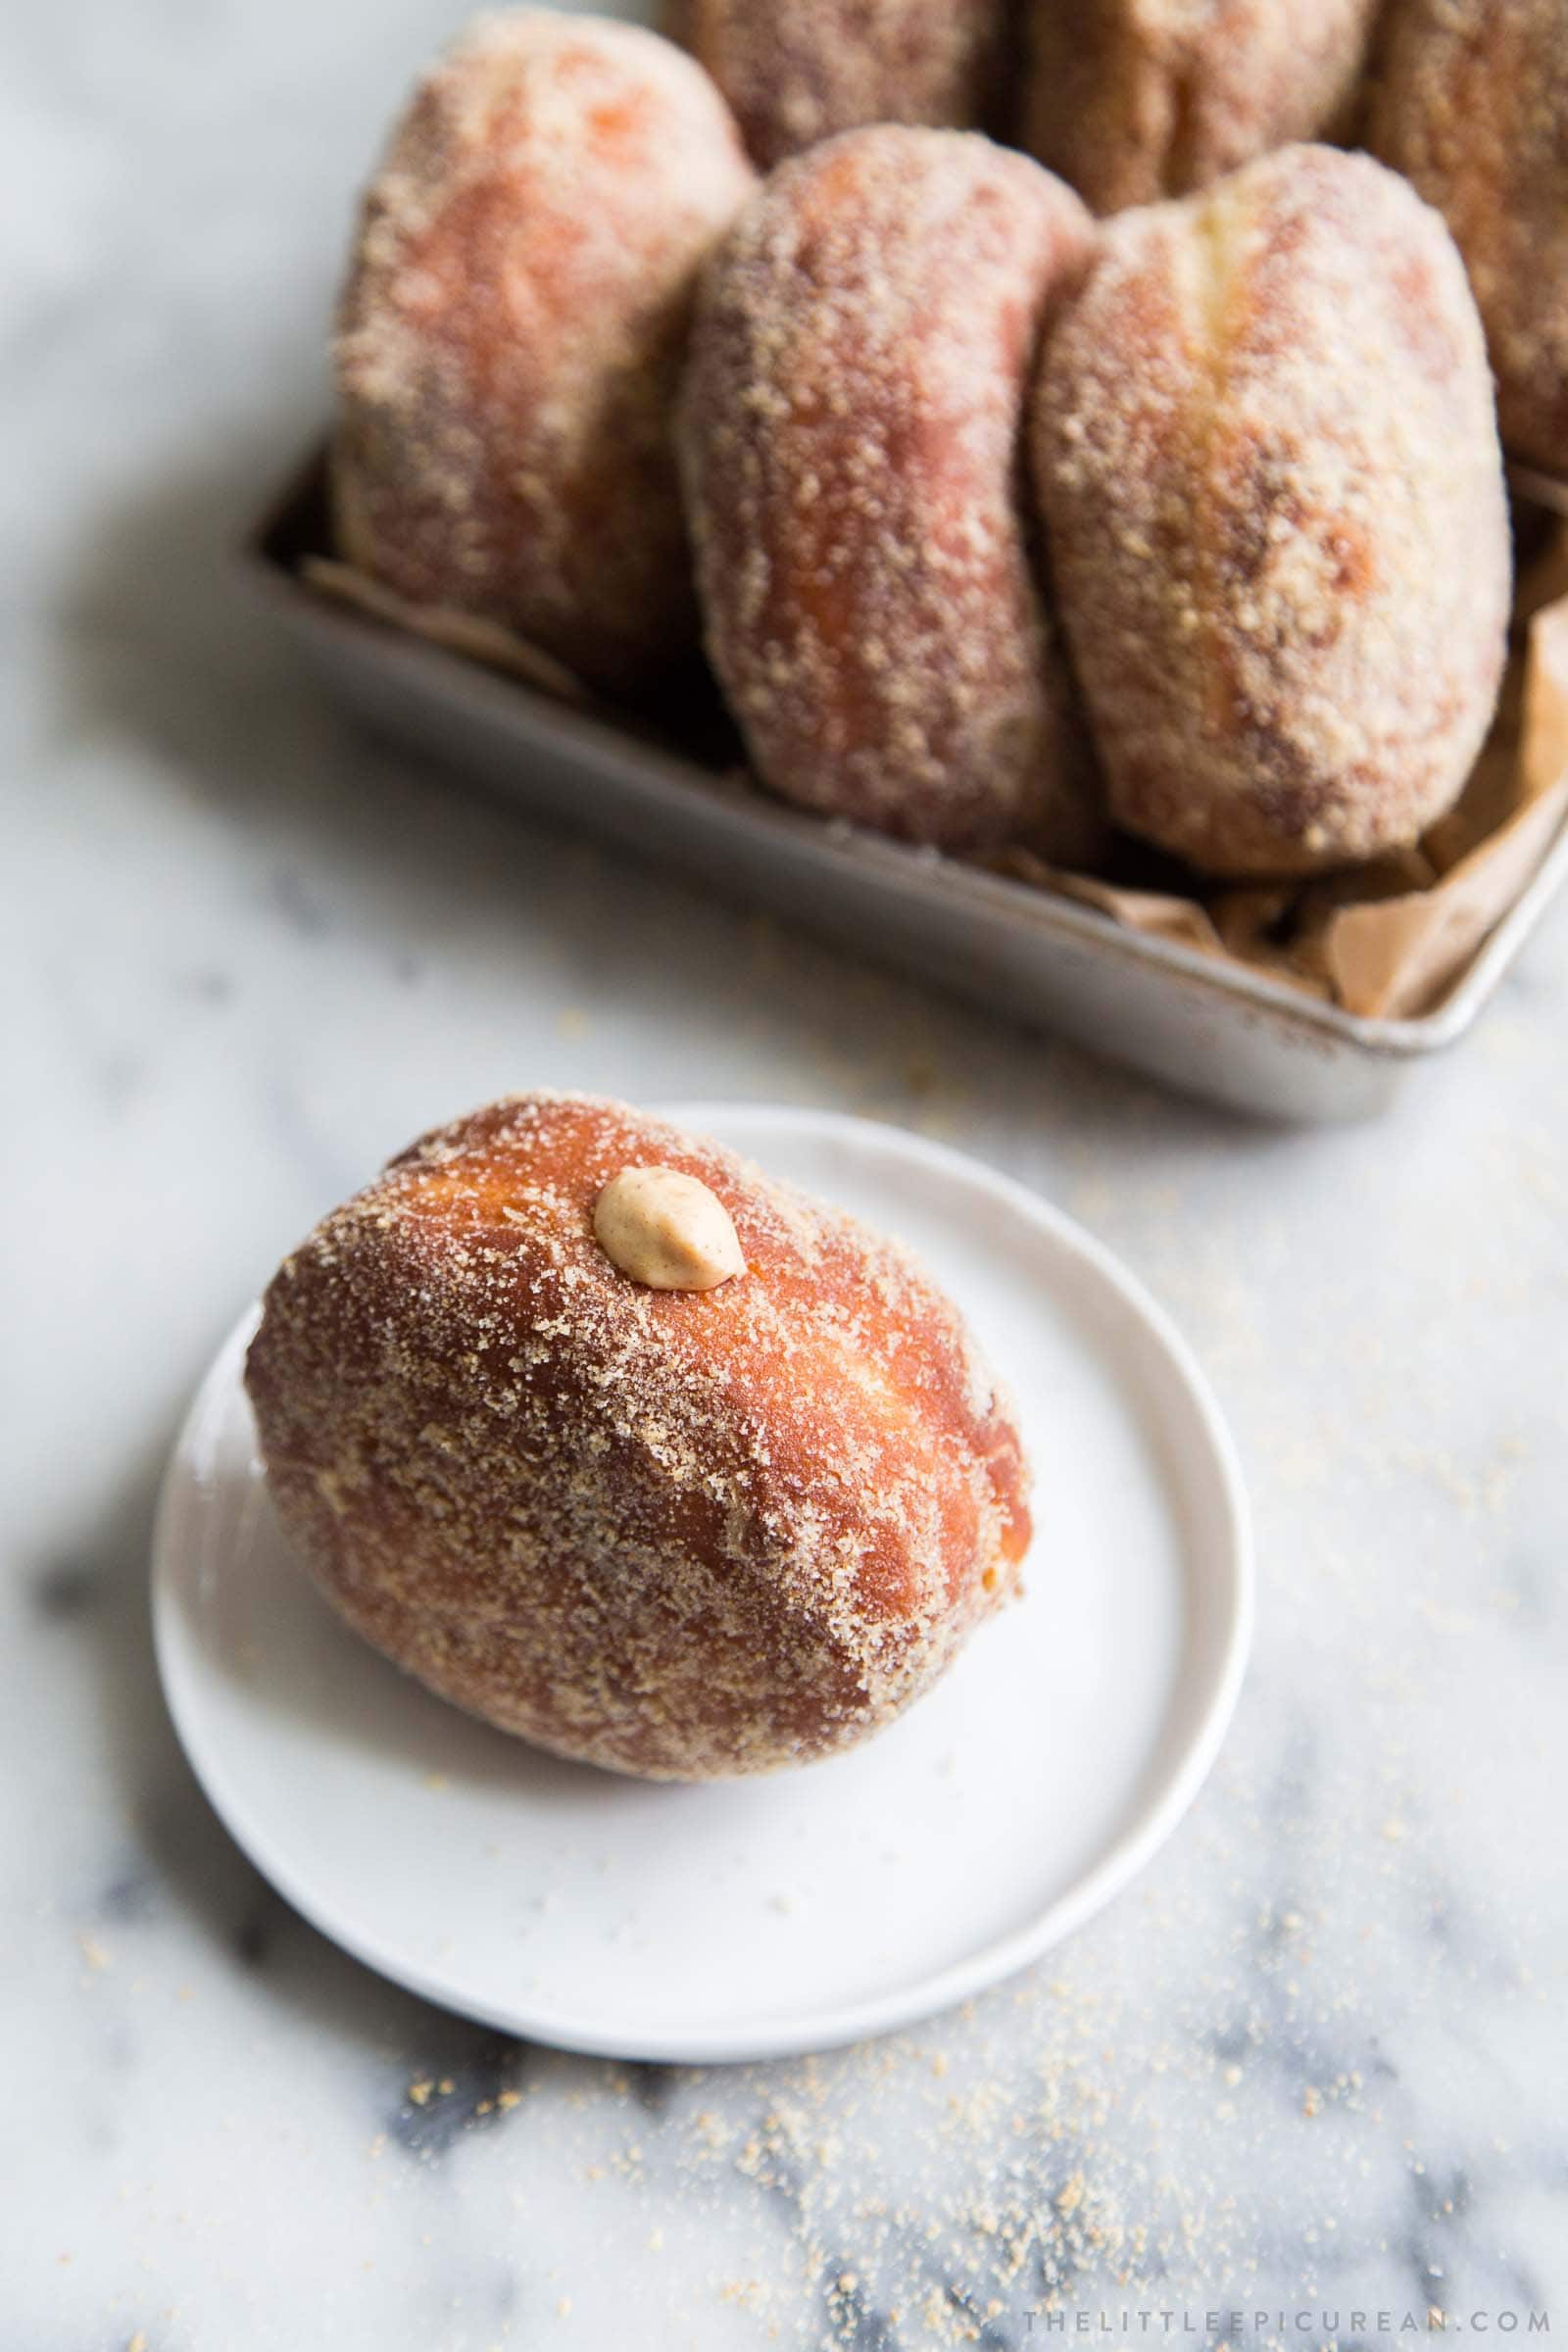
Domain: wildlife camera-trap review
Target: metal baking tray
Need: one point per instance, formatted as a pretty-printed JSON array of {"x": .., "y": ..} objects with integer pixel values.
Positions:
[{"x": 670, "y": 792}]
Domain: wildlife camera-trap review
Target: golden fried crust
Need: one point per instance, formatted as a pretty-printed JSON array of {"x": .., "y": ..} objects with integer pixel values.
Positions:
[
  {"x": 512, "y": 334},
  {"x": 1472, "y": 105},
  {"x": 1265, "y": 450},
  {"x": 676, "y": 1534},
  {"x": 852, "y": 446},
  {"x": 1131, "y": 100},
  {"x": 800, "y": 71}
]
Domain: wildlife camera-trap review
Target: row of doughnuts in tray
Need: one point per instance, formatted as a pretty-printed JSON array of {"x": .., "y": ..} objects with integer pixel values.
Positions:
[
  {"x": 1127, "y": 100},
  {"x": 997, "y": 522},
  {"x": 1132, "y": 100}
]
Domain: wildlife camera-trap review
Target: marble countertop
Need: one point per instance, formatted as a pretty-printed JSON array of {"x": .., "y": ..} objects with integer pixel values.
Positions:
[{"x": 1314, "y": 2066}]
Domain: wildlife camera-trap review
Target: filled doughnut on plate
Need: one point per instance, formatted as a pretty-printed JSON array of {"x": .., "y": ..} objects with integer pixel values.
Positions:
[
  {"x": 512, "y": 334},
  {"x": 1269, "y": 464},
  {"x": 624, "y": 1449},
  {"x": 852, "y": 436}
]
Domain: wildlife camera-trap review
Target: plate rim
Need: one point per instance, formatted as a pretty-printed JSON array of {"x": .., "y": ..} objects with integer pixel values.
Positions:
[{"x": 992, "y": 1963}]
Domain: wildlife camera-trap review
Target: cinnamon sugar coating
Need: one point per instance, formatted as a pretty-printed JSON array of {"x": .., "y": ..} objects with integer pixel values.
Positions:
[
  {"x": 512, "y": 329},
  {"x": 1472, "y": 105},
  {"x": 800, "y": 71},
  {"x": 1131, "y": 100},
  {"x": 852, "y": 439},
  {"x": 677, "y": 1534},
  {"x": 1266, "y": 453}
]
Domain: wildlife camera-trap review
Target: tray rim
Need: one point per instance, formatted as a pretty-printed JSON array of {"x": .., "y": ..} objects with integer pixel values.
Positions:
[{"x": 927, "y": 873}]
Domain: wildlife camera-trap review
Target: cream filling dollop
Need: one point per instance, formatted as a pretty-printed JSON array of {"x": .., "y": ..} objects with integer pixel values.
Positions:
[{"x": 667, "y": 1230}]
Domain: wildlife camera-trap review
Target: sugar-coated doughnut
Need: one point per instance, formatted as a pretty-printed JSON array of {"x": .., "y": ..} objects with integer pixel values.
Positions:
[
  {"x": 1267, "y": 458},
  {"x": 512, "y": 334},
  {"x": 800, "y": 71},
  {"x": 1472, "y": 106},
  {"x": 679, "y": 1533},
  {"x": 851, "y": 441},
  {"x": 1131, "y": 100}
]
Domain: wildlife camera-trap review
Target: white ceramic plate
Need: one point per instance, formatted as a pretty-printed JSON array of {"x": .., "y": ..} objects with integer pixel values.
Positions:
[{"x": 758, "y": 1919}]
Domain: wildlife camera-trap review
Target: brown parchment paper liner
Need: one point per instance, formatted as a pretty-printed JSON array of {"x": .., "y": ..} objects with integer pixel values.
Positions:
[
  {"x": 1383, "y": 940},
  {"x": 460, "y": 632}
]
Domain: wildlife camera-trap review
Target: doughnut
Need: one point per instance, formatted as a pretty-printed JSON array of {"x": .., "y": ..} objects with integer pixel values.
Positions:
[
  {"x": 1472, "y": 105},
  {"x": 628, "y": 1450},
  {"x": 1267, "y": 459},
  {"x": 512, "y": 333},
  {"x": 1131, "y": 100},
  {"x": 800, "y": 71},
  {"x": 851, "y": 440}
]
